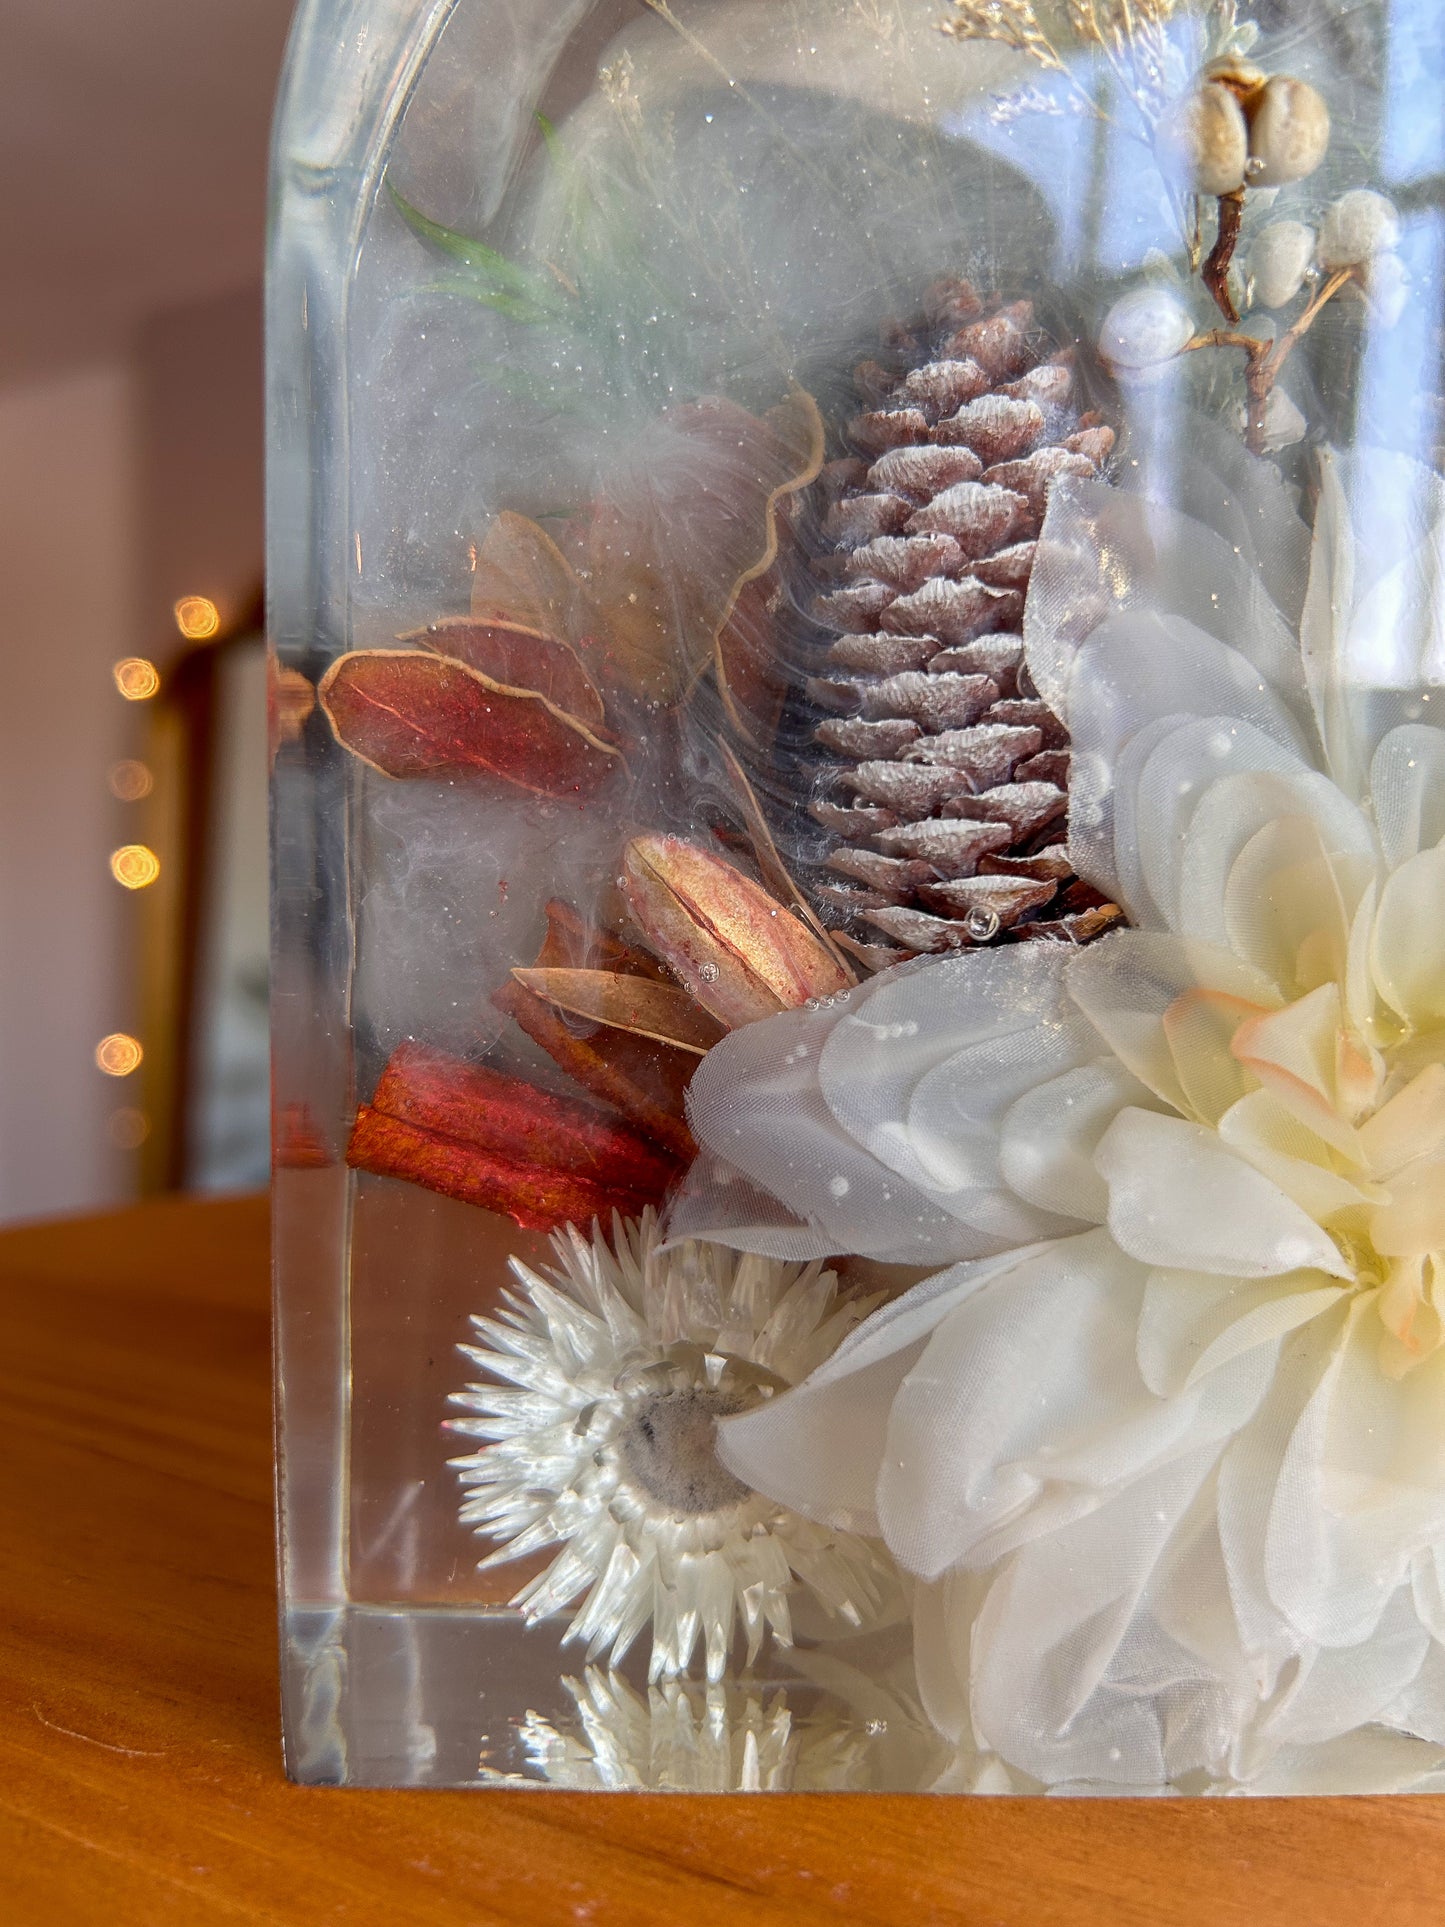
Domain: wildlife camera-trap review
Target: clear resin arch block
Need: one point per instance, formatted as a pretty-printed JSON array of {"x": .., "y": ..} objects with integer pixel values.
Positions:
[{"x": 859, "y": 894}]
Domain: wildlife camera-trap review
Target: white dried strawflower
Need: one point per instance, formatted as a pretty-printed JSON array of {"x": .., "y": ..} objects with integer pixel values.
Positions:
[
  {"x": 1144, "y": 329},
  {"x": 684, "y": 1736},
  {"x": 1204, "y": 145},
  {"x": 1357, "y": 225},
  {"x": 1289, "y": 132},
  {"x": 601, "y": 1440},
  {"x": 1279, "y": 260}
]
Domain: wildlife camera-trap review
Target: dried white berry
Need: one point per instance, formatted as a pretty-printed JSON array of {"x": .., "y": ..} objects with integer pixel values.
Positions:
[
  {"x": 1143, "y": 330},
  {"x": 1289, "y": 131},
  {"x": 1279, "y": 260},
  {"x": 1205, "y": 144},
  {"x": 1357, "y": 225},
  {"x": 1387, "y": 283}
]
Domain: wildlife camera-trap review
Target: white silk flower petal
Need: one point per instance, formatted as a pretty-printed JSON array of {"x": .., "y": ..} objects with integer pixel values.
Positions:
[
  {"x": 1049, "y": 1136},
  {"x": 972, "y": 1464},
  {"x": 818, "y": 1447},
  {"x": 1407, "y": 791},
  {"x": 921, "y": 1065},
  {"x": 1183, "y": 766},
  {"x": 1336, "y": 1689},
  {"x": 1361, "y": 1488},
  {"x": 1407, "y": 953},
  {"x": 1126, "y": 984},
  {"x": 1192, "y": 1323},
  {"x": 1232, "y": 813},
  {"x": 1074, "y": 1679},
  {"x": 756, "y": 1110},
  {"x": 1179, "y": 1199}
]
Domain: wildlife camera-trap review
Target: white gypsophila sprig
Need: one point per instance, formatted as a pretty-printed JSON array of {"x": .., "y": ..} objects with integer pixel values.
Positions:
[
  {"x": 1148, "y": 47},
  {"x": 611, "y": 1373}
]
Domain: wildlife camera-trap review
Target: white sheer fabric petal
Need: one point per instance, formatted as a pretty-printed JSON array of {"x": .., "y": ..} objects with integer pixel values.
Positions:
[
  {"x": 1371, "y": 1761},
  {"x": 757, "y": 1110},
  {"x": 1373, "y": 630},
  {"x": 924, "y": 1062},
  {"x": 1137, "y": 668},
  {"x": 874, "y": 1121},
  {"x": 1232, "y": 814},
  {"x": 1427, "y": 1578},
  {"x": 1179, "y": 1199},
  {"x": 1103, "y": 549},
  {"x": 1408, "y": 953},
  {"x": 1407, "y": 791},
  {"x": 1074, "y": 1678},
  {"x": 818, "y": 1447},
  {"x": 1126, "y": 984},
  {"x": 1361, "y": 1489},
  {"x": 1049, "y": 1135},
  {"x": 971, "y": 1469},
  {"x": 1192, "y": 1323},
  {"x": 1420, "y": 1706},
  {"x": 1336, "y": 1689},
  {"x": 1184, "y": 765}
]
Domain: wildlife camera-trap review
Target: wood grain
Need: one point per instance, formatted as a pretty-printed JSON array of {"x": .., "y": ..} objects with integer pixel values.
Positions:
[{"x": 140, "y": 1778}]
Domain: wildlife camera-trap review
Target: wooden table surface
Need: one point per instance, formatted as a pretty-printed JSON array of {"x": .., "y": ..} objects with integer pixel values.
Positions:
[{"x": 140, "y": 1770}]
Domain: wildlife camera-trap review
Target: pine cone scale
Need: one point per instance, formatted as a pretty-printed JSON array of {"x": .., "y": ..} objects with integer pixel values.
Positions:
[{"x": 943, "y": 779}]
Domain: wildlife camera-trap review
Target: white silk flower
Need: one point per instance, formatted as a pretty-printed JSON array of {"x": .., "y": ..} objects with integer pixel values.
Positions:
[{"x": 1163, "y": 1439}]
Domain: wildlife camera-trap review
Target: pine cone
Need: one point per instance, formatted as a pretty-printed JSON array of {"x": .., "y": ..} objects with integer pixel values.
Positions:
[{"x": 943, "y": 776}]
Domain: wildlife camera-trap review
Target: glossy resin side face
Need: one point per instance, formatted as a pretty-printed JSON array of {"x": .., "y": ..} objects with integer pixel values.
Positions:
[{"x": 857, "y": 821}]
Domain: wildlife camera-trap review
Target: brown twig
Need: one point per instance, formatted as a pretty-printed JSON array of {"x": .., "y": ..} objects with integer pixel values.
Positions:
[
  {"x": 1215, "y": 272},
  {"x": 1264, "y": 359}
]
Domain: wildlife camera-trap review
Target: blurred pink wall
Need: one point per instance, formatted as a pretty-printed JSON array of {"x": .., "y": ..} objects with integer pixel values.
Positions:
[{"x": 69, "y": 563}]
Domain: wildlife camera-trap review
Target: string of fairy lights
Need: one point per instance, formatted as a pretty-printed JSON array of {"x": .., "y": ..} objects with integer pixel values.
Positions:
[{"x": 135, "y": 866}]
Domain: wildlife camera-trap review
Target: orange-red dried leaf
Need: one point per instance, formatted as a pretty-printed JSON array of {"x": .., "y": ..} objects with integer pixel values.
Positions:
[
  {"x": 571, "y": 943},
  {"x": 518, "y": 658},
  {"x": 408, "y": 713},
  {"x": 290, "y": 699},
  {"x": 646, "y": 1081},
  {"x": 492, "y": 1140},
  {"x": 623, "y": 1002}
]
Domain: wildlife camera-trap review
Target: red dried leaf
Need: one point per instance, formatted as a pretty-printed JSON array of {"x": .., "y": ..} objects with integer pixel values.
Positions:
[
  {"x": 620, "y": 1001},
  {"x": 408, "y": 713},
  {"x": 487, "y": 1139},
  {"x": 571, "y": 943},
  {"x": 647, "y": 1082},
  {"x": 644, "y": 1080},
  {"x": 517, "y": 657}
]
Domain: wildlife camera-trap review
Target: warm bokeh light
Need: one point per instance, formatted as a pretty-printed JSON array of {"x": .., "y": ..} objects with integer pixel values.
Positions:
[
  {"x": 136, "y": 679},
  {"x": 118, "y": 1055},
  {"x": 197, "y": 617},
  {"x": 129, "y": 1128},
  {"x": 135, "y": 866},
  {"x": 130, "y": 781}
]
